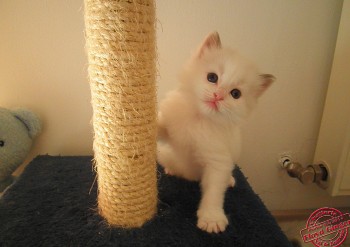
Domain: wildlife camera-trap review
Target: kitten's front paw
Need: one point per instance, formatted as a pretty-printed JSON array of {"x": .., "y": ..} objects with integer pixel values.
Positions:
[{"x": 212, "y": 221}]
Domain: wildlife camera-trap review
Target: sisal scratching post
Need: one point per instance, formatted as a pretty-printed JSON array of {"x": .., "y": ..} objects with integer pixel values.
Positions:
[{"x": 120, "y": 41}]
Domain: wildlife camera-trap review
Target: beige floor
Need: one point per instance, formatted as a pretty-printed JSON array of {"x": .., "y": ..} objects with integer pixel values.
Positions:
[{"x": 292, "y": 230}]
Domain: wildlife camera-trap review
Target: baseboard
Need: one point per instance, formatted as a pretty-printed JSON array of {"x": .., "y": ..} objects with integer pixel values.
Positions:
[{"x": 298, "y": 214}]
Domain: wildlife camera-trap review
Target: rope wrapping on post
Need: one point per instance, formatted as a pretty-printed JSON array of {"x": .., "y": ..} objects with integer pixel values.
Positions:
[{"x": 120, "y": 42}]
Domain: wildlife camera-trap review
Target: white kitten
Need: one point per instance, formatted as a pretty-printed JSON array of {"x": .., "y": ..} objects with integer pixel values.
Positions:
[{"x": 199, "y": 123}]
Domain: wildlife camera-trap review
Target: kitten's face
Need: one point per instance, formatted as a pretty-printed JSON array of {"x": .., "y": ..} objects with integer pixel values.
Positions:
[{"x": 223, "y": 84}]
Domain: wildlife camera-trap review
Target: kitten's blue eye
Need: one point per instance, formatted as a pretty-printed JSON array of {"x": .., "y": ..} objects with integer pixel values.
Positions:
[
  {"x": 236, "y": 94},
  {"x": 212, "y": 77}
]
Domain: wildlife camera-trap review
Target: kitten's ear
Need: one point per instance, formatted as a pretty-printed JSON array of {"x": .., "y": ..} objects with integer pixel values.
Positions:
[
  {"x": 266, "y": 81},
  {"x": 212, "y": 41}
]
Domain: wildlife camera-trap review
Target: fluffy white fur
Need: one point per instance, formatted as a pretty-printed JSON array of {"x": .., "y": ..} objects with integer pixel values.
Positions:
[{"x": 199, "y": 124}]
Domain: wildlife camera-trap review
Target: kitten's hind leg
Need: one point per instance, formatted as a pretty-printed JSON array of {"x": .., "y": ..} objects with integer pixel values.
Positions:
[
  {"x": 174, "y": 163},
  {"x": 162, "y": 132},
  {"x": 232, "y": 182},
  {"x": 166, "y": 158}
]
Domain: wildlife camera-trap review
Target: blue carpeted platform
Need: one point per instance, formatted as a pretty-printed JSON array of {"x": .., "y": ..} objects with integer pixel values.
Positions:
[{"x": 50, "y": 205}]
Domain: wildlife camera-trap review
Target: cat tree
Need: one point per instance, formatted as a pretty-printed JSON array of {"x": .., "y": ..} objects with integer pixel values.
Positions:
[
  {"x": 50, "y": 204},
  {"x": 120, "y": 41}
]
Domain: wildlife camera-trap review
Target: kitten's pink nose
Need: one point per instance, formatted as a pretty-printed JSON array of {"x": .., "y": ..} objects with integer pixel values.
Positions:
[{"x": 218, "y": 97}]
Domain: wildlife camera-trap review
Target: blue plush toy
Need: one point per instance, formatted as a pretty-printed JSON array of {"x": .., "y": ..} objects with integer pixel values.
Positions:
[{"x": 18, "y": 128}]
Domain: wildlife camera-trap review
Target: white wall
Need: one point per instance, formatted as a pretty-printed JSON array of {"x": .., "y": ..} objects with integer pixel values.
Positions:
[{"x": 43, "y": 67}]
